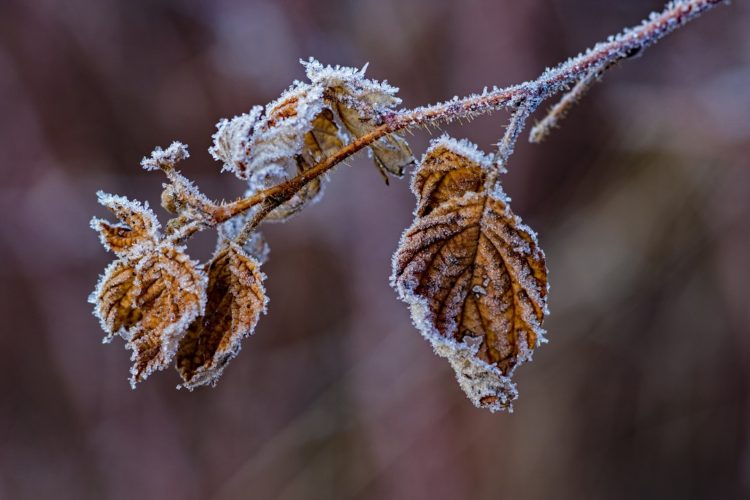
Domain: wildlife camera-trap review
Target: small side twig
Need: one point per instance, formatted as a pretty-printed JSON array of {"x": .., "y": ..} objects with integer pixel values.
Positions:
[
  {"x": 559, "y": 111},
  {"x": 515, "y": 126}
]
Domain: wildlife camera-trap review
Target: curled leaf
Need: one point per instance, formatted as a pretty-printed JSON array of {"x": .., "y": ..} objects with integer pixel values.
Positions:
[
  {"x": 137, "y": 230},
  {"x": 231, "y": 141},
  {"x": 472, "y": 273},
  {"x": 236, "y": 298},
  {"x": 360, "y": 104},
  {"x": 114, "y": 299},
  {"x": 320, "y": 141},
  {"x": 391, "y": 153},
  {"x": 150, "y": 300},
  {"x": 268, "y": 146},
  {"x": 250, "y": 143}
]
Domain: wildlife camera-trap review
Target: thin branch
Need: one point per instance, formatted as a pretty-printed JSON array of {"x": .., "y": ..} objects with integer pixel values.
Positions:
[
  {"x": 559, "y": 111},
  {"x": 631, "y": 41},
  {"x": 515, "y": 126},
  {"x": 247, "y": 230}
]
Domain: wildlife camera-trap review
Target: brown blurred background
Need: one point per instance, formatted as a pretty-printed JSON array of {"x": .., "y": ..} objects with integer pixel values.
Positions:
[{"x": 641, "y": 201}]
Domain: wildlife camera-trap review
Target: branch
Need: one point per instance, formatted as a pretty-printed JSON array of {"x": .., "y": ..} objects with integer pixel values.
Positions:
[{"x": 581, "y": 68}]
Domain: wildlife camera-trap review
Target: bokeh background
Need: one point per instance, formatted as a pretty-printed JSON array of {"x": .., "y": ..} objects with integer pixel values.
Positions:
[{"x": 642, "y": 202}]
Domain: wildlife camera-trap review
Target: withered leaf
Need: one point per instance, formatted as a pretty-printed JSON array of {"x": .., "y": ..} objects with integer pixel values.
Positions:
[
  {"x": 236, "y": 298},
  {"x": 115, "y": 297},
  {"x": 391, "y": 153},
  {"x": 472, "y": 273},
  {"x": 444, "y": 174},
  {"x": 137, "y": 229},
  {"x": 150, "y": 300},
  {"x": 321, "y": 141}
]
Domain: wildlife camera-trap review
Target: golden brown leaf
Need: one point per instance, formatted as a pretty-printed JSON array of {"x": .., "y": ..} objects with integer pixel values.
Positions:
[
  {"x": 172, "y": 295},
  {"x": 472, "y": 273},
  {"x": 444, "y": 174},
  {"x": 138, "y": 227},
  {"x": 115, "y": 297},
  {"x": 150, "y": 300},
  {"x": 236, "y": 298}
]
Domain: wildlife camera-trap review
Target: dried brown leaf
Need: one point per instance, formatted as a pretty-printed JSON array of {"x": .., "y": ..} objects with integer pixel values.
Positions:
[
  {"x": 321, "y": 141},
  {"x": 236, "y": 298},
  {"x": 472, "y": 273},
  {"x": 390, "y": 153},
  {"x": 444, "y": 174},
  {"x": 150, "y": 300},
  {"x": 137, "y": 229},
  {"x": 115, "y": 298}
]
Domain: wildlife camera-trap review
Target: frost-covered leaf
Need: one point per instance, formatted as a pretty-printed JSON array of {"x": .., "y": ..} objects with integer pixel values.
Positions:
[
  {"x": 320, "y": 142},
  {"x": 268, "y": 146},
  {"x": 236, "y": 298},
  {"x": 231, "y": 140},
  {"x": 447, "y": 171},
  {"x": 350, "y": 84},
  {"x": 150, "y": 300},
  {"x": 472, "y": 273},
  {"x": 275, "y": 136},
  {"x": 391, "y": 153},
  {"x": 360, "y": 104},
  {"x": 172, "y": 294},
  {"x": 137, "y": 230},
  {"x": 114, "y": 298},
  {"x": 323, "y": 139}
]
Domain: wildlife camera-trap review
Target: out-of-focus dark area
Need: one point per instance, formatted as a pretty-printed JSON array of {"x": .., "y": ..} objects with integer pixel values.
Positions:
[{"x": 641, "y": 200}]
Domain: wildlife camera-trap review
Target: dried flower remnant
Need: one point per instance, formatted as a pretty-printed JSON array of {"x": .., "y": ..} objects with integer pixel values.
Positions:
[
  {"x": 236, "y": 298},
  {"x": 470, "y": 270}
]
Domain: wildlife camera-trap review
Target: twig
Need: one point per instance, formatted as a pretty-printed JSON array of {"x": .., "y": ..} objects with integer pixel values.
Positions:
[
  {"x": 582, "y": 67},
  {"x": 559, "y": 111},
  {"x": 515, "y": 126}
]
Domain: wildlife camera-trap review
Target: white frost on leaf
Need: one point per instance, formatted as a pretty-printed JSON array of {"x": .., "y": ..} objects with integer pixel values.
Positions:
[
  {"x": 230, "y": 142},
  {"x": 252, "y": 142},
  {"x": 137, "y": 230},
  {"x": 484, "y": 385},
  {"x": 351, "y": 86}
]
